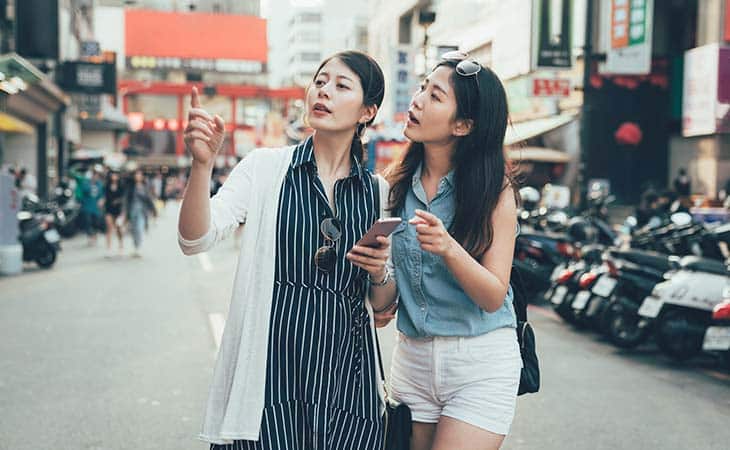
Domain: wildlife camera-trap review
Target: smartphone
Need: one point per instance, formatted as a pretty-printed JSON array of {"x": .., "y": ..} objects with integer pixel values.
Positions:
[{"x": 383, "y": 227}]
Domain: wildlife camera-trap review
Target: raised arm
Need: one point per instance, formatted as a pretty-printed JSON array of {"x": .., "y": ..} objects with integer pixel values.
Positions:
[{"x": 203, "y": 139}]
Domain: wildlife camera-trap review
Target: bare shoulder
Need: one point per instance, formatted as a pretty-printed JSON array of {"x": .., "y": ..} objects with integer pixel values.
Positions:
[{"x": 507, "y": 201}]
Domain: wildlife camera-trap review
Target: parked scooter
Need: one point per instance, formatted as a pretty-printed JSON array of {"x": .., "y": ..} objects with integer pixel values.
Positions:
[
  {"x": 680, "y": 308},
  {"x": 717, "y": 336},
  {"x": 636, "y": 273},
  {"x": 40, "y": 240}
]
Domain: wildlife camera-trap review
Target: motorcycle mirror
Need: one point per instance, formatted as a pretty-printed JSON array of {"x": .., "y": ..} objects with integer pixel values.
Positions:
[
  {"x": 681, "y": 219},
  {"x": 529, "y": 193}
]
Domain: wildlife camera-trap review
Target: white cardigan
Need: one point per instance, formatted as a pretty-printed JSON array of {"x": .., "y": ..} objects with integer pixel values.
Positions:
[{"x": 251, "y": 195}]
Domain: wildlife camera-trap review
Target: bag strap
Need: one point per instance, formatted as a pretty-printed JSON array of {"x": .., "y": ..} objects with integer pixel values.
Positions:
[
  {"x": 520, "y": 298},
  {"x": 379, "y": 201},
  {"x": 380, "y": 359}
]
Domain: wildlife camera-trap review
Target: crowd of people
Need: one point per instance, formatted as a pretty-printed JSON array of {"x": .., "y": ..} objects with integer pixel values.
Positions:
[{"x": 113, "y": 202}]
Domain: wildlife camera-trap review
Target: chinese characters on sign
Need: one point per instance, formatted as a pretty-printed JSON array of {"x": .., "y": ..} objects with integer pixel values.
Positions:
[
  {"x": 545, "y": 87},
  {"x": 403, "y": 81},
  {"x": 219, "y": 65}
]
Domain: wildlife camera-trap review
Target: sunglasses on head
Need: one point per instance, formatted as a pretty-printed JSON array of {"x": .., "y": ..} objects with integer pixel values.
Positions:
[
  {"x": 465, "y": 67},
  {"x": 326, "y": 256}
]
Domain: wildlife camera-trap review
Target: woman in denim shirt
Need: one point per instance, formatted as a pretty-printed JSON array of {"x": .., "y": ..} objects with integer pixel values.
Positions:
[{"x": 457, "y": 362}]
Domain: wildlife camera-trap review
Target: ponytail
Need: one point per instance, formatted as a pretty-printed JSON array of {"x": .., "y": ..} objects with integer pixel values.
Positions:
[{"x": 357, "y": 148}]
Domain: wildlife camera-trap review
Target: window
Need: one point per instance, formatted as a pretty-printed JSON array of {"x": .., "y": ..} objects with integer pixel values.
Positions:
[
  {"x": 404, "y": 29},
  {"x": 310, "y": 57},
  {"x": 310, "y": 18}
]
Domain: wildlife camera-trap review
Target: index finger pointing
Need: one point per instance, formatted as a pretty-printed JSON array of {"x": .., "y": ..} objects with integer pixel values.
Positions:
[
  {"x": 427, "y": 216},
  {"x": 194, "y": 99}
]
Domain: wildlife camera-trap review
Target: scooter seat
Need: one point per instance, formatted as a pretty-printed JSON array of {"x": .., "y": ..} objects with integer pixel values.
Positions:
[
  {"x": 654, "y": 260},
  {"x": 703, "y": 265}
]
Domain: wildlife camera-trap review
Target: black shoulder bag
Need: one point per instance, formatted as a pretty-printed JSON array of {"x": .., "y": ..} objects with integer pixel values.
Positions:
[
  {"x": 396, "y": 418},
  {"x": 530, "y": 375}
]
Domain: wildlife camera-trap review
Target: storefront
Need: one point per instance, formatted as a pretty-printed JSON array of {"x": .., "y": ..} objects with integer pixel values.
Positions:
[{"x": 29, "y": 102}]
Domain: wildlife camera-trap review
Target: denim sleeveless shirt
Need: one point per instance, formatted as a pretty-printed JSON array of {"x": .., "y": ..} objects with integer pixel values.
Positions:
[{"x": 432, "y": 303}]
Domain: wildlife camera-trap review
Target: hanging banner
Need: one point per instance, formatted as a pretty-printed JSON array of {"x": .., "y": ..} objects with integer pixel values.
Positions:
[
  {"x": 551, "y": 32},
  {"x": 705, "y": 97},
  {"x": 628, "y": 24}
]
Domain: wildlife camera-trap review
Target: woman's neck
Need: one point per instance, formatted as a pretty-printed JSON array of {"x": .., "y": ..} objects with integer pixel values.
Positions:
[
  {"x": 437, "y": 160},
  {"x": 332, "y": 153}
]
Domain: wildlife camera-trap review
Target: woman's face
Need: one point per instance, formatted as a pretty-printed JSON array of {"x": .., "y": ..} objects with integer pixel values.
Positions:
[
  {"x": 138, "y": 177},
  {"x": 114, "y": 178},
  {"x": 334, "y": 99},
  {"x": 433, "y": 109}
]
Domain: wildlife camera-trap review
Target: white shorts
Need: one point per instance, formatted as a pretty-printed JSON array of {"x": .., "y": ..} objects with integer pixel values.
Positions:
[{"x": 471, "y": 379}]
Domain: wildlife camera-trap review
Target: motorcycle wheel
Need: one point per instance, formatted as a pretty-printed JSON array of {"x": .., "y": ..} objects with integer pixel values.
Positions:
[
  {"x": 603, "y": 320},
  {"x": 565, "y": 310},
  {"x": 623, "y": 325},
  {"x": 679, "y": 335},
  {"x": 47, "y": 259}
]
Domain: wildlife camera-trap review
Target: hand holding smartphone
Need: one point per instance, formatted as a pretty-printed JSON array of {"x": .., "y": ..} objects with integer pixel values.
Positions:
[{"x": 383, "y": 227}]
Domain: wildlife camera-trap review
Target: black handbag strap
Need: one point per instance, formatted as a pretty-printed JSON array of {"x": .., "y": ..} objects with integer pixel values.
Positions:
[
  {"x": 520, "y": 298},
  {"x": 380, "y": 357},
  {"x": 376, "y": 185}
]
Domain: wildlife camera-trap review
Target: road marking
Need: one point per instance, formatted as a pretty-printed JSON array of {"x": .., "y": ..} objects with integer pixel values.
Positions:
[
  {"x": 217, "y": 323},
  {"x": 717, "y": 375},
  {"x": 205, "y": 262}
]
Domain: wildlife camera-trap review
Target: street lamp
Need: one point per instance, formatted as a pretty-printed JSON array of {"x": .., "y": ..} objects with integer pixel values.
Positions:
[{"x": 426, "y": 19}]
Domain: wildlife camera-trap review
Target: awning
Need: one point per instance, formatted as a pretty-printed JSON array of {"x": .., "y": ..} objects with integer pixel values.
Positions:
[
  {"x": 87, "y": 153},
  {"x": 10, "y": 124},
  {"x": 32, "y": 95},
  {"x": 522, "y": 131},
  {"x": 538, "y": 154},
  {"x": 109, "y": 119}
]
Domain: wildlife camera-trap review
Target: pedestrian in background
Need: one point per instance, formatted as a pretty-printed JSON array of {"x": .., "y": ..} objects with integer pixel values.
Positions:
[
  {"x": 457, "y": 361},
  {"x": 114, "y": 195},
  {"x": 297, "y": 366},
  {"x": 683, "y": 183},
  {"x": 139, "y": 206},
  {"x": 90, "y": 190}
]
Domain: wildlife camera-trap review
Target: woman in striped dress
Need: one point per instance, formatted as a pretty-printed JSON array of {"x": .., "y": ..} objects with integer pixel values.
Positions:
[{"x": 321, "y": 382}]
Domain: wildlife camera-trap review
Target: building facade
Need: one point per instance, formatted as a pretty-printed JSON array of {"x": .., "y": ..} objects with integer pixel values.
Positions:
[{"x": 303, "y": 33}]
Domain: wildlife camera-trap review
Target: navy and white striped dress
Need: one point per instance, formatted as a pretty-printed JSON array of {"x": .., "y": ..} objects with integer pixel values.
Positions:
[{"x": 321, "y": 390}]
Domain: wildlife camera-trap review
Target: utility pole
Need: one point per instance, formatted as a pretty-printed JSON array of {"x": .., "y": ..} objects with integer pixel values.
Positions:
[{"x": 587, "y": 107}]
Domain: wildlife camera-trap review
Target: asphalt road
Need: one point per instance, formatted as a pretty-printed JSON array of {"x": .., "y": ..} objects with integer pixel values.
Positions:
[{"x": 117, "y": 353}]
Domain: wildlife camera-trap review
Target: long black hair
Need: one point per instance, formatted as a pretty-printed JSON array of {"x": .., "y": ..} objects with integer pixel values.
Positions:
[
  {"x": 373, "y": 88},
  {"x": 481, "y": 170}
]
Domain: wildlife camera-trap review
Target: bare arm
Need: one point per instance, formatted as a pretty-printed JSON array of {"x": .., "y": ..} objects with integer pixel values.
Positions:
[
  {"x": 203, "y": 138},
  {"x": 486, "y": 282},
  {"x": 194, "y": 219}
]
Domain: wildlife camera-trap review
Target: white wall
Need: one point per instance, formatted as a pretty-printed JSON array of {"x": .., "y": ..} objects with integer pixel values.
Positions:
[
  {"x": 21, "y": 150},
  {"x": 109, "y": 25},
  {"x": 277, "y": 16}
]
